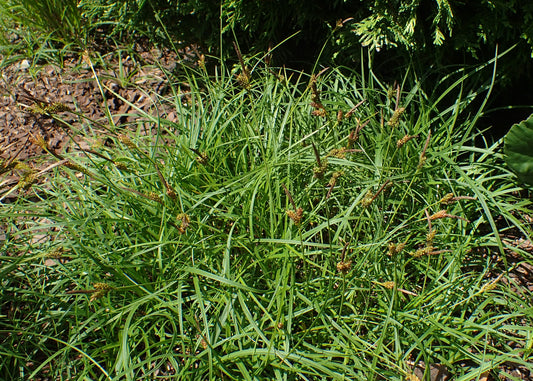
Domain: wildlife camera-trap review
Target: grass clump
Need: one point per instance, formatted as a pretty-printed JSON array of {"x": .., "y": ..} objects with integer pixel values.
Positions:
[{"x": 286, "y": 227}]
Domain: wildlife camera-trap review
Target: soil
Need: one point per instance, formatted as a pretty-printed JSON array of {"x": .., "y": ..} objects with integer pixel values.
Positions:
[{"x": 126, "y": 83}]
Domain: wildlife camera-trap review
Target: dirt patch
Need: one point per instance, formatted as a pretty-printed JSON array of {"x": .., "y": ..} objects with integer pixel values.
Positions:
[{"x": 111, "y": 91}]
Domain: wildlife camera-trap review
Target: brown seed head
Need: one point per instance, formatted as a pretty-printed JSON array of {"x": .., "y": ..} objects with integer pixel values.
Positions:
[
  {"x": 339, "y": 153},
  {"x": 447, "y": 199},
  {"x": 100, "y": 289},
  {"x": 184, "y": 222},
  {"x": 422, "y": 251},
  {"x": 39, "y": 141},
  {"x": 319, "y": 171},
  {"x": 344, "y": 267},
  {"x": 121, "y": 166},
  {"x": 154, "y": 197},
  {"x": 404, "y": 140},
  {"x": 319, "y": 112},
  {"x": 202, "y": 158},
  {"x": 334, "y": 178},
  {"x": 57, "y": 107},
  {"x": 430, "y": 237},
  {"x": 295, "y": 216},
  {"x": 367, "y": 200},
  {"x": 395, "y": 119},
  {"x": 75, "y": 167},
  {"x": 124, "y": 139},
  {"x": 244, "y": 80},
  {"x": 440, "y": 214},
  {"x": 395, "y": 248},
  {"x": 27, "y": 180},
  {"x": 56, "y": 253},
  {"x": 171, "y": 193}
]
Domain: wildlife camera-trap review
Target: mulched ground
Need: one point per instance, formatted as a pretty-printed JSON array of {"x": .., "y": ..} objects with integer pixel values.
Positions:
[
  {"x": 136, "y": 79},
  {"x": 23, "y": 88}
]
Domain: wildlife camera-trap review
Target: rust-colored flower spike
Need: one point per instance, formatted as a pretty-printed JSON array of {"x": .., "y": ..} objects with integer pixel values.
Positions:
[
  {"x": 352, "y": 138},
  {"x": 315, "y": 94},
  {"x": 450, "y": 199},
  {"x": 404, "y": 140},
  {"x": 370, "y": 197},
  {"x": 244, "y": 76},
  {"x": 444, "y": 214},
  {"x": 394, "y": 121},
  {"x": 100, "y": 289},
  {"x": 202, "y": 157},
  {"x": 397, "y": 96},
  {"x": 296, "y": 216},
  {"x": 344, "y": 266},
  {"x": 319, "y": 109},
  {"x": 317, "y": 106},
  {"x": 171, "y": 193},
  {"x": 395, "y": 248},
  {"x": 354, "y": 134}
]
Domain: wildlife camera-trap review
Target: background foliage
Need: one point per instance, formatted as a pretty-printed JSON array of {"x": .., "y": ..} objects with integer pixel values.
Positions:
[
  {"x": 439, "y": 35},
  {"x": 409, "y": 25}
]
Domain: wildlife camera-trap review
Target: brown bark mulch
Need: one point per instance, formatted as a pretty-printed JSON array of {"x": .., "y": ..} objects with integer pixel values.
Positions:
[{"x": 125, "y": 84}]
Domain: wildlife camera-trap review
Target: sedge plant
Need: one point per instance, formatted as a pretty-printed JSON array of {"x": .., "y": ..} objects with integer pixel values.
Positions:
[{"x": 286, "y": 226}]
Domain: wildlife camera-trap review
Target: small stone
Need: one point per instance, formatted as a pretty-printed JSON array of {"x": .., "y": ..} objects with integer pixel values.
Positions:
[{"x": 24, "y": 65}]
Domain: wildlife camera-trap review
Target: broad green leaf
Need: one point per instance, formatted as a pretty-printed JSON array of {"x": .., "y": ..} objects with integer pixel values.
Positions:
[{"x": 518, "y": 150}]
